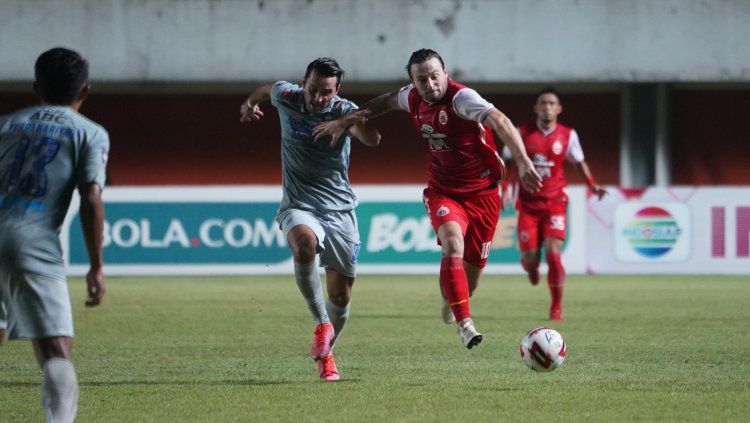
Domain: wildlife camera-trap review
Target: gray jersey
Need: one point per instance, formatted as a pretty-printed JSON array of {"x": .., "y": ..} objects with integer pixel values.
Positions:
[
  {"x": 45, "y": 152},
  {"x": 315, "y": 176}
]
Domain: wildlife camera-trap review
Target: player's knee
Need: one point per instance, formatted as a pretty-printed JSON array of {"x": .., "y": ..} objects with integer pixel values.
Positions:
[
  {"x": 52, "y": 347},
  {"x": 453, "y": 246},
  {"x": 531, "y": 258},
  {"x": 340, "y": 299},
  {"x": 304, "y": 249}
]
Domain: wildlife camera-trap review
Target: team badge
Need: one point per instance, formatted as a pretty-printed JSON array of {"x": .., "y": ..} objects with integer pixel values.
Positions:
[
  {"x": 524, "y": 236},
  {"x": 442, "y": 211},
  {"x": 443, "y": 117},
  {"x": 557, "y": 147}
]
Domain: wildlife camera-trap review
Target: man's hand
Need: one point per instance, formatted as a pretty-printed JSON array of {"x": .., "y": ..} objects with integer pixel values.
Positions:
[
  {"x": 598, "y": 191},
  {"x": 528, "y": 177},
  {"x": 94, "y": 287},
  {"x": 250, "y": 112},
  {"x": 336, "y": 128}
]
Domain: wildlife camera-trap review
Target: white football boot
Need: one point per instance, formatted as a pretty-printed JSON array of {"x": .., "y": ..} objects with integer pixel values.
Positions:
[{"x": 468, "y": 333}]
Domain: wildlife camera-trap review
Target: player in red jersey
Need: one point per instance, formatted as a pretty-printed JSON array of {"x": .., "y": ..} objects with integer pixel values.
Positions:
[
  {"x": 542, "y": 214},
  {"x": 455, "y": 126}
]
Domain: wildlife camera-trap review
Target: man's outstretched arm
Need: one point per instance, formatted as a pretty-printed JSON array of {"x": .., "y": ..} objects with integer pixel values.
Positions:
[
  {"x": 377, "y": 106},
  {"x": 503, "y": 127},
  {"x": 250, "y": 109}
]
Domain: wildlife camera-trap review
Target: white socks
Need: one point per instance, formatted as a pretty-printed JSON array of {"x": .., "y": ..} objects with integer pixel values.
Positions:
[
  {"x": 59, "y": 391},
  {"x": 339, "y": 316},
  {"x": 308, "y": 282}
]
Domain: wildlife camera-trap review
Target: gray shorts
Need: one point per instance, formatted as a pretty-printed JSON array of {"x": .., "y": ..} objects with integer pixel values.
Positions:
[
  {"x": 337, "y": 232},
  {"x": 34, "y": 290}
]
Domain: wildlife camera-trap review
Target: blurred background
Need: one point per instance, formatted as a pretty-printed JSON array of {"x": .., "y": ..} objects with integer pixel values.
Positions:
[{"x": 657, "y": 89}]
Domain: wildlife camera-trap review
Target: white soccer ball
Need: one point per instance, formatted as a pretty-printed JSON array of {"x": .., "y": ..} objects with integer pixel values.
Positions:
[{"x": 543, "y": 349}]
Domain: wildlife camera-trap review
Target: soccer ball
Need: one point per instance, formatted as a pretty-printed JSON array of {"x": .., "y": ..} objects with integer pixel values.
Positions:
[{"x": 543, "y": 349}]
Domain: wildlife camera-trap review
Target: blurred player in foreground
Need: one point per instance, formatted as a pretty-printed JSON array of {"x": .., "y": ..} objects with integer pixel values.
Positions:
[
  {"x": 542, "y": 215},
  {"x": 316, "y": 212},
  {"x": 454, "y": 123},
  {"x": 3, "y": 318},
  {"x": 46, "y": 152}
]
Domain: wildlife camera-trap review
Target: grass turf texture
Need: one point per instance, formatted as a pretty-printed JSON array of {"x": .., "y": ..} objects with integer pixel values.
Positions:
[{"x": 235, "y": 349}]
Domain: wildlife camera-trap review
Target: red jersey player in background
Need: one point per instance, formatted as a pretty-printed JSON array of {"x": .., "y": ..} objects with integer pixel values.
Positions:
[
  {"x": 542, "y": 214},
  {"x": 455, "y": 126}
]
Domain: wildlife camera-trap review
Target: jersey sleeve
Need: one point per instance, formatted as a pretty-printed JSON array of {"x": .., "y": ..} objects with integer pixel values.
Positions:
[
  {"x": 469, "y": 105},
  {"x": 343, "y": 107},
  {"x": 285, "y": 93},
  {"x": 403, "y": 97},
  {"x": 93, "y": 159},
  {"x": 575, "y": 151}
]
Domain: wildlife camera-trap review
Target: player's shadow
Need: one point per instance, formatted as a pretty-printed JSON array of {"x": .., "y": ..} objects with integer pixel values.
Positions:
[
  {"x": 249, "y": 382},
  {"x": 395, "y": 316}
]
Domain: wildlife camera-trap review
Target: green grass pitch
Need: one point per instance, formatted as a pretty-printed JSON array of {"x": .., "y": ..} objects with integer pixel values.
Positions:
[{"x": 640, "y": 348}]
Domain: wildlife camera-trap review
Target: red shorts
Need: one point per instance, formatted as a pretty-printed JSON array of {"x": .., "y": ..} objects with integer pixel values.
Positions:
[
  {"x": 477, "y": 215},
  {"x": 534, "y": 226}
]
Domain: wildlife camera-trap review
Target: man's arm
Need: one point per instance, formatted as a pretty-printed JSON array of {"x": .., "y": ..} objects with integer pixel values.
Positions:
[
  {"x": 595, "y": 188},
  {"x": 377, "y": 106},
  {"x": 250, "y": 109},
  {"x": 503, "y": 127},
  {"x": 92, "y": 223},
  {"x": 363, "y": 132}
]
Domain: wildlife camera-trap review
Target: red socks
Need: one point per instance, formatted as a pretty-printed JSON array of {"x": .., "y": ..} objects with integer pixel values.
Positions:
[
  {"x": 455, "y": 285},
  {"x": 555, "y": 279}
]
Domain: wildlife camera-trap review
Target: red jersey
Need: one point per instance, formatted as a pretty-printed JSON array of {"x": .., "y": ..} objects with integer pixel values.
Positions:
[
  {"x": 548, "y": 153},
  {"x": 461, "y": 153}
]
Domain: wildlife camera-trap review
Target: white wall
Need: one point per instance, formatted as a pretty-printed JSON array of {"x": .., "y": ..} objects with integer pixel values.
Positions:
[{"x": 481, "y": 41}]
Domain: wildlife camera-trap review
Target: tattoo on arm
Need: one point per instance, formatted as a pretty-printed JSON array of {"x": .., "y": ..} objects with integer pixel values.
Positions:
[{"x": 382, "y": 104}]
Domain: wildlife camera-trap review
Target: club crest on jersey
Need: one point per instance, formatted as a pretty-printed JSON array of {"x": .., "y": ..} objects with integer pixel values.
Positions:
[
  {"x": 427, "y": 129},
  {"x": 557, "y": 147},
  {"x": 442, "y": 211},
  {"x": 443, "y": 117}
]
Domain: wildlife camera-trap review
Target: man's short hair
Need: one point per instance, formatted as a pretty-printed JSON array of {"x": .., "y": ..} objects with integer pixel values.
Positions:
[
  {"x": 421, "y": 56},
  {"x": 325, "y": 66},
  {"x": 60, "y": 74},
  {"x": 548, "y": 90}
]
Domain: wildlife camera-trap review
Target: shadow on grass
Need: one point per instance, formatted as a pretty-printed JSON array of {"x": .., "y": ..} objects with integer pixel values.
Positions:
[
  {"x": 396, "y": 316},
  {"x": 250, "y": 382}
]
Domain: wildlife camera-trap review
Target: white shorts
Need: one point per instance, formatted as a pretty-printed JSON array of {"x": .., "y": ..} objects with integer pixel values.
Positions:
[
  {"x": 337, "y": 232},
  {"x": 34, "y": 290}
]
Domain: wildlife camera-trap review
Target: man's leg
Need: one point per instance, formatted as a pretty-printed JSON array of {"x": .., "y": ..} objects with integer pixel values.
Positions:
[
  {"x": 339, "y": 300},
  {"x": 472, "y": 274},
  {"x": 60, "y": 383},
  {"x": 455, "y": 283},
  {"x": 530, "y": 263},
  {"x": 452, "y": 275},
  {"x": 528, "y": 242},
  {"x": 304, "y": 243},
  {"x": 555, "y": 275}
]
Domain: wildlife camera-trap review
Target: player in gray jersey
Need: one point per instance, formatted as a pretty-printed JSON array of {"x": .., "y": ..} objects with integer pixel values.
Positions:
[
  {"x": 316, "y": 212},
  {"x": 46, "y": 152}
]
